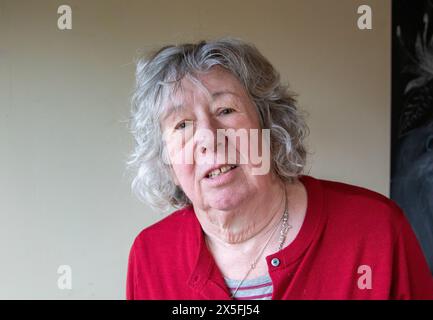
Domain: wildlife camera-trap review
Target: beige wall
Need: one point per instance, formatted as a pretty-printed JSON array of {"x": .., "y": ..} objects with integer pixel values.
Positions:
[{"x": 64, "y": 195}]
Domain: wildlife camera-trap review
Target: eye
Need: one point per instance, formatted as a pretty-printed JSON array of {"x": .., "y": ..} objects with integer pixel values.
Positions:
[
  {"x": 227, "y": 111},
  {"x": 182, "y": 125}
]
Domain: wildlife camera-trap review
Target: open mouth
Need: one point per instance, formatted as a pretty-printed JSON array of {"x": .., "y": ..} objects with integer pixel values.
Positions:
[{"x": 217, "y": 172}]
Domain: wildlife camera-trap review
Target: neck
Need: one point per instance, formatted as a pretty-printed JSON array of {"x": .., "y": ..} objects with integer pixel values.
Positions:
[{"x": 248, "y": 227}]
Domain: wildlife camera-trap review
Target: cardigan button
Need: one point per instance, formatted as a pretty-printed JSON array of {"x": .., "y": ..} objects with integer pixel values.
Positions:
[{"x": 275, "y": 262}]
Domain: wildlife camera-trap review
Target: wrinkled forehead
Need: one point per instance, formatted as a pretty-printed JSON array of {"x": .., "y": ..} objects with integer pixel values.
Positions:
[
  {"x": 178, "y": 93},
  {"x": 209, "y": 86}
]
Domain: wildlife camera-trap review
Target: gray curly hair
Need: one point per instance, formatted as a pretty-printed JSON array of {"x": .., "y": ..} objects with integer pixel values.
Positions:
[{"x": 158, "y": 75}]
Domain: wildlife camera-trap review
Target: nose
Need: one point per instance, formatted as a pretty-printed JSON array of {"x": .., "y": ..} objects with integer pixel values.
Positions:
[
  {"x": 207, "y": 139},
  {"x": 205, "y": 136}
]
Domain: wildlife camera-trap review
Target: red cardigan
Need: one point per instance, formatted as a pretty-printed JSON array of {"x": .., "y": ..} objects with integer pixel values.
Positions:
[{"x": 354, "y": 244}]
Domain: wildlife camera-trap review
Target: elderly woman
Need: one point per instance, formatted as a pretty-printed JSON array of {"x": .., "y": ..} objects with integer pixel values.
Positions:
[{"x": 244, "y": 229}]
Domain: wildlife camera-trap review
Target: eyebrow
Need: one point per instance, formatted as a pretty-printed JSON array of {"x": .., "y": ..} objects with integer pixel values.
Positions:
[
  {"x": 221, "y": 93},
  {"x": 180, "y": 106}
]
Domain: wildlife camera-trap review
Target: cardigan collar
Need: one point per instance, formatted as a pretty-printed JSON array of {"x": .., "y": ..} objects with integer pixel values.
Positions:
[{"x": 208, "y": 279}]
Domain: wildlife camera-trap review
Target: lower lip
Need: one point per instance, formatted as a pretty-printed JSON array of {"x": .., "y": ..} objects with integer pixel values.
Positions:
[{"x": 222, "y": 178}]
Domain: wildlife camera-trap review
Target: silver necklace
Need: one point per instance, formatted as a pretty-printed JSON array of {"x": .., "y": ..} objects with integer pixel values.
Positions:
[{"x": 285, "y": 227}]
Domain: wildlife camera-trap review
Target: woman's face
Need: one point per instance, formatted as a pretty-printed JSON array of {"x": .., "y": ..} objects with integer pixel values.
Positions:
[{"x": 195, "y": 147}]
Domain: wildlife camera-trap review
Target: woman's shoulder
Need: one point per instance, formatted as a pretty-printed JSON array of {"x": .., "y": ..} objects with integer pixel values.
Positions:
[
  {"x": 177, "y": 224},
  {"x": 350, "y": 203},
  {"x": 349, "y": 190}
]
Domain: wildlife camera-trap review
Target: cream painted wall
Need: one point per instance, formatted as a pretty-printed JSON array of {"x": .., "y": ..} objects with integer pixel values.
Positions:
[{"x": 64, "y": 194}]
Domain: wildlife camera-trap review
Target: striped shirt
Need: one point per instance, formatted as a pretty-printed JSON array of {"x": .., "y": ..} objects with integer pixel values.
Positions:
[{"x": 259, "y": 288}]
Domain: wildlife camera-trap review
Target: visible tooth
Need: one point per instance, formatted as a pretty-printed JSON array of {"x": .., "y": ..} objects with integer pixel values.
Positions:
[
  {"x": 225, "y": 169},
  {"x": 214, "y": 173},
  {"x": 217, "y": 172}
]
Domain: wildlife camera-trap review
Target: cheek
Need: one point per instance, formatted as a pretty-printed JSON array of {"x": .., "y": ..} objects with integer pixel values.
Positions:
[
  {"x": 249, "y": 147},
  {"x": 184, "y": 174},
  {"x": 180, "y": 148}
]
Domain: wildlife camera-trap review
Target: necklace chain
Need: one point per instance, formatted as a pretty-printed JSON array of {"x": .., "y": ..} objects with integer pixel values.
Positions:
[{"x": 285, "y": 227}]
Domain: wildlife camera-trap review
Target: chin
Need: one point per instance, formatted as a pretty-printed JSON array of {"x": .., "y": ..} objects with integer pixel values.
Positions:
[{"x": 225, "y": 201}]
